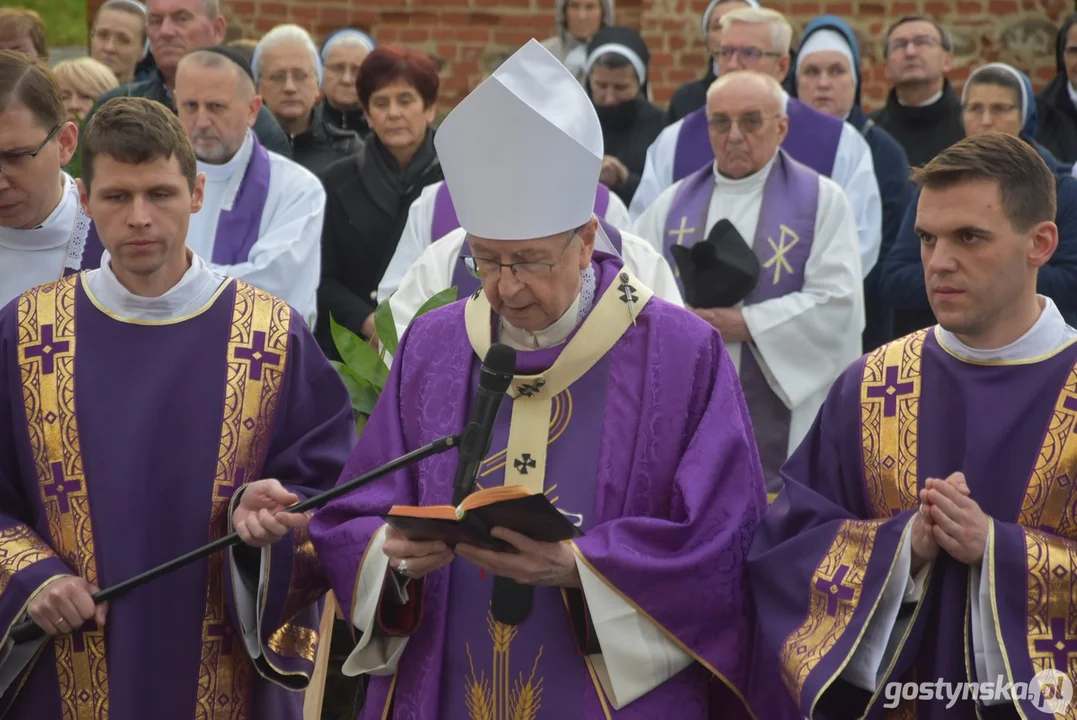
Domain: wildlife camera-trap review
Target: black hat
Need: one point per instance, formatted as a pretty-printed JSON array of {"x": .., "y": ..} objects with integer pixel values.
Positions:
[
  {"x": 234, "y": 55},
  {"x": 625, "y": 42},
  {"x": 718, "y": 272}
]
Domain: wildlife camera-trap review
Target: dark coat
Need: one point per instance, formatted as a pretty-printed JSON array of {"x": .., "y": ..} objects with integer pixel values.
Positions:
[
  {"x": 923, "y": 132},
  {"x": 628, "y": 135},
  {"x": 1057, "y": 129},
  {"x": 366, "y": 207},
  {"x": 323, "y": 144}
]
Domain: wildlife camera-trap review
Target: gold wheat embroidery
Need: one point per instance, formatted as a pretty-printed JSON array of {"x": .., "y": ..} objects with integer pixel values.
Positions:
[{"x": 496, "y": 698}]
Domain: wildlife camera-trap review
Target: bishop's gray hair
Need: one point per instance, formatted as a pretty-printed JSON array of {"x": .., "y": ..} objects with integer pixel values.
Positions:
[{"x": 280, "y": 35}]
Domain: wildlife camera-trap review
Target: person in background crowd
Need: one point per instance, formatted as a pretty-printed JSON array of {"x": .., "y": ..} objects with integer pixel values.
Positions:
[
  {"x": 997, "y": 97},
  {"x": 288, "y": 73},
  {"x": 693, "y": 94},
  {"x": 177, "y": 27},
  {"x": 577, "y": 23},
  {"x": 829, "y": 80},
  {"x": 616, "y": 72},
  {"x": 43, "y": 227},
  {"x": 118, "y": 37},
  {"x": 1057, "y": 103},
  {"x": 342, "y": 53},
  {"x": 23, "y": 30},
  {"x": 82, "y": 81},
  {"x": 245, "y": 47},
  {"x": 370, "y": 193},
  {"x": 922, "y": 111}
]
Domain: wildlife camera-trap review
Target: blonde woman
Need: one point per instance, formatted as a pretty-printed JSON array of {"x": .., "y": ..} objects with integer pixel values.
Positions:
[{"x": 81, "y": 82}]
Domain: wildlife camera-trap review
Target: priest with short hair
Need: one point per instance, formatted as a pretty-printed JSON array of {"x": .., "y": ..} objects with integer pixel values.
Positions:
[
  {"x": 782, "y": 235},
  {"x": 625, "y": 412}
]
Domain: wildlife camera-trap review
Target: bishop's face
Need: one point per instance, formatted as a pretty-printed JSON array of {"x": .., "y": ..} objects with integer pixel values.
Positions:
[
  {"x": 544, "y": 281},
  {"x": 142, "y": 212}
]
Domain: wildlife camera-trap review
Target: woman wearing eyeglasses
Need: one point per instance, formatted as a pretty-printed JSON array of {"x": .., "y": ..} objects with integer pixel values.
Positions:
[{"x": 996, "y": 98}]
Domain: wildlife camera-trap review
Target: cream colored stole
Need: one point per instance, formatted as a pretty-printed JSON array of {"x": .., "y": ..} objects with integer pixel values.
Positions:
[{"x": 533, "y": 395}]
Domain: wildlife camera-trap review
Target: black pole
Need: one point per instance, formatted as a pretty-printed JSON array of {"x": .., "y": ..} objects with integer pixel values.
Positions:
[{"x": 27, "y": 630}]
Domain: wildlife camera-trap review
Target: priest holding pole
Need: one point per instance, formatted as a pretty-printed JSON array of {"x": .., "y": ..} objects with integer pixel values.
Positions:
[
  {"x": 147, "y": 407},
  {"x": 625, "y": 412}
]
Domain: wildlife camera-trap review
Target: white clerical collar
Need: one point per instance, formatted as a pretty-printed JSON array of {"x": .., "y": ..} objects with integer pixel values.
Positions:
[
  {"x": 57, "y": 228},
  {"x": 195, "y": 290},
  {"x": 746, "y": 185},
  {"x": 229, "y": 174},
  {"x": 1048, "y": 335},
  {"x": 930, "y": 101},
  {"x": 559, "y": 331}
]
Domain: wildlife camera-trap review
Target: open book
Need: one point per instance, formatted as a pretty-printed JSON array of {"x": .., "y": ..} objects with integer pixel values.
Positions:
[{"x": 509, "y": 506}]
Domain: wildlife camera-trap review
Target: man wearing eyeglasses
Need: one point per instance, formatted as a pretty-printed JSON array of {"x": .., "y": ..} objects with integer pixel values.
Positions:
[
  {"x": 922, "y": 111},
  {"x": 42, "y": 227},
  {"x": 792, "y": 330},
  {"x": 758, "y": 39}
]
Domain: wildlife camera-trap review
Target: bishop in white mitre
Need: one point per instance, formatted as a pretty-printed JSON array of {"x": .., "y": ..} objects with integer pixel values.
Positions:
[{"x": 800, "y": 325}]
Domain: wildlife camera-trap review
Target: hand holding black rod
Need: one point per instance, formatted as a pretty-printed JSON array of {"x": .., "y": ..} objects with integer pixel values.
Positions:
[{"x": 28, "y": 631}]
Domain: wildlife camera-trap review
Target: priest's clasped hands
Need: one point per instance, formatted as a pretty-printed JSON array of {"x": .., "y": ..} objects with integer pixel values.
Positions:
[
  {"x": 729, "y": 322},
  {"x": 950, "y": 520},
  {"x": 537, "y": 563},
  {"x": 66, "y": 603}
]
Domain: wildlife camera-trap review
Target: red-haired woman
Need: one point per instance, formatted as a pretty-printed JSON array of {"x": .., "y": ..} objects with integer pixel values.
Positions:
[{"x": 368, "y": 195}]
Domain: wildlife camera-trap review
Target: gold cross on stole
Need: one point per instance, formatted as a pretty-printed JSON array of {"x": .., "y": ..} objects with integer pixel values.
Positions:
[
  {"x": 682, "y": 231},
  {"x": 778, "y": 260}
]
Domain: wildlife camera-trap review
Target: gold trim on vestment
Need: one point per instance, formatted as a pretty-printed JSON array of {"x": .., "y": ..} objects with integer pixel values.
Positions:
[
  {"x": 256, "y": 360},
  {"x": 998, "y": 363},
  {"x": 889, "y": 409},
  {"x": 47, "y": 370},
  {"x": 135, "y": 321},
  {"x": 672, "y": 638},
  {"x": 20, "y": 548},
  {"x": 295, "y": 641},
  {"x": 1049, "y": 498}
]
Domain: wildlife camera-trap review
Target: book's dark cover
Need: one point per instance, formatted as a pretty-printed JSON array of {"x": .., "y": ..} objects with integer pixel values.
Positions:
[{"x": 533, "y": 516}]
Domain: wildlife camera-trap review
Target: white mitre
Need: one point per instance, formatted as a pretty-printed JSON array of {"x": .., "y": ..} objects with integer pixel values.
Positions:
[{"x": 523, "y": 151}]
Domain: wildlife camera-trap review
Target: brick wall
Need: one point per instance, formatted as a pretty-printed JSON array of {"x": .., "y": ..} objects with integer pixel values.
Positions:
[{"x": 471, "y": 37}]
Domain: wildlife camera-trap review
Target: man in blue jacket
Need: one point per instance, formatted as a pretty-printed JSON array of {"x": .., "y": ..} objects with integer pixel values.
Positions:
[
  {"x": 997, "y": 97},
  {"x": 828, "y": 79}
]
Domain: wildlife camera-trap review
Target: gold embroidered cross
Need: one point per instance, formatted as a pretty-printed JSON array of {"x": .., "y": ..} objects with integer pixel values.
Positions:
[
  {"x": 682, "y": 231},
  {"x": 778, "y": 260}
]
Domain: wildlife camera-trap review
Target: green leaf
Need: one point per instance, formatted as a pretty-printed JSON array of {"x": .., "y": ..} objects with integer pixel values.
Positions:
[
  {"x": 361, "y": 359},
  {"x": 385, "y": 327},
  {"x": 445, "y": 297},
  {"x": 363, "y": 395}
]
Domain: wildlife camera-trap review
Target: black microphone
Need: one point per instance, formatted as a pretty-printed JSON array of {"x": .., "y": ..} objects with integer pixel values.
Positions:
[{"x": 495, "y": 376}]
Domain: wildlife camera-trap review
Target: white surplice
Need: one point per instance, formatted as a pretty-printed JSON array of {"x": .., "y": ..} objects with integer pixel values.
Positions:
[
  {"x": 1047, "y": 336},
  {"x": 418, "y": 231},
  {"x": 29, "y": 258},
  {"x": 636, "y": 655},
  {"x": 854, "y": 172},
  {"x": 433, "y": 271},
  {"x": 803, "y": 340},
  {"x": 286, "y": 260}
]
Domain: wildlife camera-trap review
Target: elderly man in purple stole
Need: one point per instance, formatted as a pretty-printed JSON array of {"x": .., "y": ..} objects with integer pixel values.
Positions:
[
  {"x": 758, "y": 39},
  {"x": 262, "y": 218},
  {"x": 800, "y": 325},
  {"x": 921, "y": 561},
  {"x": 625, "y": 412},
  {"x": 432, "y": 217},
  {"x": 148, "y": 407}
]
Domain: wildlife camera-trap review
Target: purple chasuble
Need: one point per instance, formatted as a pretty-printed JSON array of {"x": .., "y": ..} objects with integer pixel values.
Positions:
[
  {"x": 107, "y": 482},
  {"x": 812, "y": 139},
  {"x": 902, "y": 414},
  {"x": 783, "y": 241},
  {"x": 640, "y": 465}
]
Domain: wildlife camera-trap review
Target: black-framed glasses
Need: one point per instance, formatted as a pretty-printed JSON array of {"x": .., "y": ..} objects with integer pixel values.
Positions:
[
  {"x": 749, "y": 123},
  {"x": 746, "y": 54},
  {"x": 16, "y": 160},
  {"x": 480, "y": 267}
]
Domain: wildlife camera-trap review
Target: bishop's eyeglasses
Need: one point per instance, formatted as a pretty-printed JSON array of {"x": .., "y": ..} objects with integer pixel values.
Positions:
[
  {"x": 12, "y": 161},
  {"x": 484, "y": 267}
]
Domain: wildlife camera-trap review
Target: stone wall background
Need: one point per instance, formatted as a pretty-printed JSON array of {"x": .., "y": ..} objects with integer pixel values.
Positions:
[{"x": 471, "y": 37}]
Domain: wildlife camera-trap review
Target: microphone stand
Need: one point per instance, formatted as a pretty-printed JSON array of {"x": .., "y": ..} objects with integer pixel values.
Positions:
[{"x": 27, "y": 630}]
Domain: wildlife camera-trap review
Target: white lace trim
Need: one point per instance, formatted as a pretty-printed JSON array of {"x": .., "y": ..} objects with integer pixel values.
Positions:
[
  {"x": 76, "y": 246},
  {"x": 587, "y": 293}
]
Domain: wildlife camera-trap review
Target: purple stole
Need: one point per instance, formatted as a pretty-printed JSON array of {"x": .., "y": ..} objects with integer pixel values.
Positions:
[
  {"x": 513, "y": 658},
  {"x": 237, "y": 229},
  {"x": 812, "y": 140},
  {"x": 783, "y": 241}
]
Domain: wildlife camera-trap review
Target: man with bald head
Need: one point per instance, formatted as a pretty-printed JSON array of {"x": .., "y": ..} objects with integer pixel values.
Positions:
[
  {"x": 175, "y": 28},
  {"x": 786, "y": 236},
  {"x": 262, "y": 219}
]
